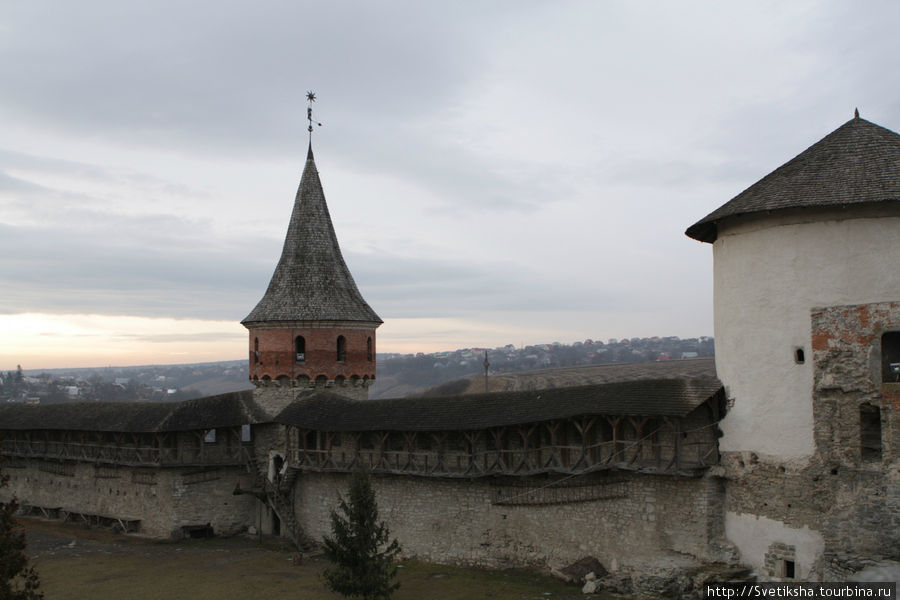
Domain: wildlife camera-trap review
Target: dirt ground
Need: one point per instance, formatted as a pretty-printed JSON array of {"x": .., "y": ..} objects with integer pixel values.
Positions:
[{"x": 75, "y": 563}]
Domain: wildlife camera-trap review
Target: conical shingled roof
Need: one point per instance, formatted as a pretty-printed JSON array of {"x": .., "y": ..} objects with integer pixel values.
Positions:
[
  {"x": 312, "y": 281},
  {"x": 857, "y": 163}
]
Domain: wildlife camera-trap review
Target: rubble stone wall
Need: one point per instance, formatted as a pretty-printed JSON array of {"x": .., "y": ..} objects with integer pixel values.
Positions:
[
  {"x": 164, "y": 500},
  {"x": 840, "y": 502},
  {"x": 632, "y": 520}
]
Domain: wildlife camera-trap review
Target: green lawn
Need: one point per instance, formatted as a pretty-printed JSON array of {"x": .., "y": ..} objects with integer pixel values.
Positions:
[{"x": 75, "y": 564}]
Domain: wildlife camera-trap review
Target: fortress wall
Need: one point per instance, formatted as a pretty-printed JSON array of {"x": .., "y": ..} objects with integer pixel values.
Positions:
[
  {"x": 202, "y": 496},
  {"x": 447, "y": 521},
  {"x": 162, "y": 499}
]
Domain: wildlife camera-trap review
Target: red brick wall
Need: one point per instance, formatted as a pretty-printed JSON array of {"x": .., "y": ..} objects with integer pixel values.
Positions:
[{"x": 277, "y": 356}]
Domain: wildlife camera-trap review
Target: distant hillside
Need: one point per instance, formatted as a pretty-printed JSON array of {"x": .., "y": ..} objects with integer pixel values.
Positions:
[
  {"x": 399, "y": 375},
  {"x": 572, "y": 376},
  {"x": 402, "y": 375}
]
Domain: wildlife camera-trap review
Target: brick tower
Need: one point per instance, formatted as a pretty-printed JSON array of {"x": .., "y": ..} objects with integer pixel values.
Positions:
[{"x": 312, "y": 327}]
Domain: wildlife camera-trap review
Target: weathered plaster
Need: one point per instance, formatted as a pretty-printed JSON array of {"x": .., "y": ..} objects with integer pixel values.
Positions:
[
  {"x": 754, "y": 535},
  {"x": 767, "y": 279}
]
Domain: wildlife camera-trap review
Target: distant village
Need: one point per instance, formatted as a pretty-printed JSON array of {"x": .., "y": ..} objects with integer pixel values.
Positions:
[{"x": 403, "y": 373}]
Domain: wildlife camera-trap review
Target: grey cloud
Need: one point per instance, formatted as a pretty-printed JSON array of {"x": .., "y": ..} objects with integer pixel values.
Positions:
[
  {"x": 217, "y": 79},
  {"x": 58, "y": 269},
  {"x": 404, "y": 286}
]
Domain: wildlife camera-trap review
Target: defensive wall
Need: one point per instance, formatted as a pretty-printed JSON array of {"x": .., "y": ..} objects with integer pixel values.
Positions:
[
  {"x": 622, "y": 518},
  {"x": 157, "y": 502}
]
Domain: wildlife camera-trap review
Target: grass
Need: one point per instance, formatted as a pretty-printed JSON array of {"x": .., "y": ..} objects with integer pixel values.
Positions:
[{"x": 104, "y": 565}]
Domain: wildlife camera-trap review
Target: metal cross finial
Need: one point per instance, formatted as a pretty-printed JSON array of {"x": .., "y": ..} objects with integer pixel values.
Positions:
[
  {"x": 487, "y": 365},
  {"x": 310, "y": 97}
]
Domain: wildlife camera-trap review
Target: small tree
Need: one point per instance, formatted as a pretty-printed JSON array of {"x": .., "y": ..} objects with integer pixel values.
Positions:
[
  {"x": 18, "y": 581},
  {"x": 362, "y": 559}
]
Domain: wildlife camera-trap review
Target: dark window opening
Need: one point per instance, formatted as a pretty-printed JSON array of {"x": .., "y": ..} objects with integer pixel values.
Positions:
[
  {"x": 869, "y": 432},
  {"x": 799, "y": 356},
  {"x": 255, "y": 350},
  {"x": 890, "y": 356},
  {"x": 300, "y": 348},
  {"x": 788, "y": 569},
  {"x": 369, "y": 349},
  {"x": 341, "y": 348},
  {"x": 197, "y": 532}
]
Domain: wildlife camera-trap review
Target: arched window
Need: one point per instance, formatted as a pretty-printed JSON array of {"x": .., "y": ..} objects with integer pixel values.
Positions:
[
  {"x": 369, "y": 349},
  {"x": 300, "y": 348},
  {"x": 255, "y": 350},
  {"x": 341, "y": 348}
]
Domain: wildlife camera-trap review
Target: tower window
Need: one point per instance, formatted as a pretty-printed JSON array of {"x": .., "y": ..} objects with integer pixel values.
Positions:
[
  {"x": 341, "y": 348},
  {"x": 890, "y": 356},
  {"x": 300, "y": 348},
  {"x": 869, "y": 432},
  {"x": 255, "y": 350},
  {"x": 799, "y": 356},
  {"x": 369, "y": 349}
]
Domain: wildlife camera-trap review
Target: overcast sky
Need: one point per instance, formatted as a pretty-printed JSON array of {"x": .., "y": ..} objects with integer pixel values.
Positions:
[{"x": 497, "y": 172}]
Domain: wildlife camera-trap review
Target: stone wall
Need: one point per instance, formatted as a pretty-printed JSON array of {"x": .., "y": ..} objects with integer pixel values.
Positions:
[
  {"x": 164, "y": 500},
  {"x": 864, "y": 520},
  {"x": 633, "y": 519},
  {"x": 839, "y": 509}
]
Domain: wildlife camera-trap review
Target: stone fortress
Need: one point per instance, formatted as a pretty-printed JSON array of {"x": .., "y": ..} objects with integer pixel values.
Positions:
[{"x": 781, "y": 457}]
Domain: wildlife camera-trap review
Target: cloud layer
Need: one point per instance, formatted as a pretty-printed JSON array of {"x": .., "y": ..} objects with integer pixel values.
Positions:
[{"x": 480, "y": 161}]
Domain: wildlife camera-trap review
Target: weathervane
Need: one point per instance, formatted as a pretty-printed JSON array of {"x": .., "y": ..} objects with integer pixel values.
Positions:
[{"x": 311, "y": 97}]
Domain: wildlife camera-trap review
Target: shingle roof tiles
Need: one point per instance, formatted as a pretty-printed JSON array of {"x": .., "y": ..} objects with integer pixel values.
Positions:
[
  {"x": 330, "y": 412},
  {"x": 858, "y": 163},
  {"x": 646, "y": 397},
  {"x": 311, "y": 281},
  {"x": 224, "y": 410}
]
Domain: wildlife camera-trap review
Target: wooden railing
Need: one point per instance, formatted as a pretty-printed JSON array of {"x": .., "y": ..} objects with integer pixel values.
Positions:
[
  {"x": 123, "y": 454},
  {"x": 687, "y": 458}
]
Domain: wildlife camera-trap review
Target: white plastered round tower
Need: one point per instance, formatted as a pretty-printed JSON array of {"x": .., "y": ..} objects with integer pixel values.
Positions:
[
  {"x": 806, "y": 281},
  {"x": 821, "y": 230},
  {"x": 770, "y": 272}
]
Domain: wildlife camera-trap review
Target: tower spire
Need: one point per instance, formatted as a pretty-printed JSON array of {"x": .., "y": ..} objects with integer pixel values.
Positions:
[{"x": 310, "y": 98}]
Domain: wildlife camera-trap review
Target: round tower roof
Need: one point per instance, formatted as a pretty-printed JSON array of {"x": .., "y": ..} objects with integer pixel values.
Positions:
[{"x": 858, "y": 163}]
